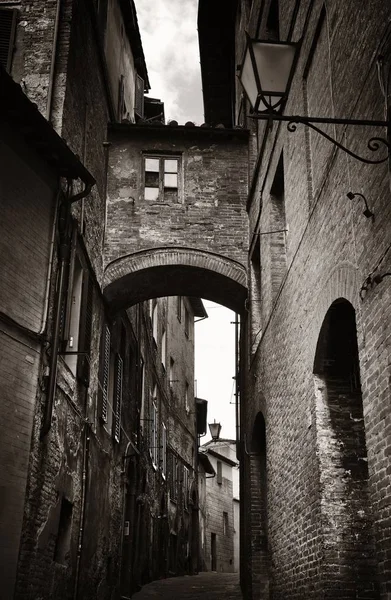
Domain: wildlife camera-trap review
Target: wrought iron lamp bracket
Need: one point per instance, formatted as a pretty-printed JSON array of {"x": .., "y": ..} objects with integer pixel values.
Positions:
[{"x": 374, "y": 143}]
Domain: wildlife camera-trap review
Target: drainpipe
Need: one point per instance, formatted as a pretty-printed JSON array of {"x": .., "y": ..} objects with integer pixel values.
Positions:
[{"x": 64, "y": 254}]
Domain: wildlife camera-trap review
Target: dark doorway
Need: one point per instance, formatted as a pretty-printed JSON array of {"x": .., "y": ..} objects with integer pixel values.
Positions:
[{"x": 346, "y": 518}]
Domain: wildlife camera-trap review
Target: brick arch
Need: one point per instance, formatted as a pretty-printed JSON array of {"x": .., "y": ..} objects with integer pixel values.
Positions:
[
  {"x": 341, "y": 284},
  {"x": 175, "y": 272}
]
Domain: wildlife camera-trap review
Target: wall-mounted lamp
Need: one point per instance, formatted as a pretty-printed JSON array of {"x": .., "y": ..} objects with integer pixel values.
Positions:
[
  {"x": 367, "y": 212},
  {"x": 215, "y": 429},
  {"x": 266, "y": 75}
]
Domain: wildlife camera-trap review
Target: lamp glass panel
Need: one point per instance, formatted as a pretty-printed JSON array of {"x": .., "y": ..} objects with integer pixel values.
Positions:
[
  {"x": 274, "y": 63},
  {"x": 248, "y": 80}
]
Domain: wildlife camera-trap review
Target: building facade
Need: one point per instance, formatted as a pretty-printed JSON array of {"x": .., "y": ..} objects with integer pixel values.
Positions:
[
  {"x": 315, "y": 377},
  {"x": 218, "y": 509},
  {"x": 99, "y": 445}
]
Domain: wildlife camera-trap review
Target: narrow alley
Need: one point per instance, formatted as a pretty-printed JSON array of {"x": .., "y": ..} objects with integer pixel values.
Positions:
[{"x": 208, "y": 586}]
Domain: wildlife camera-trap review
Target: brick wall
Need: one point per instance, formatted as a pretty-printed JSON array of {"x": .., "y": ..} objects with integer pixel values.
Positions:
[
  {"x": 209, "y": 213},
  {"x": 331, "y": 248},
  {"x": 27, "y": 206}
]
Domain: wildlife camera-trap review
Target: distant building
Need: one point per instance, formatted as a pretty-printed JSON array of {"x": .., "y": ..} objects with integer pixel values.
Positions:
[{"x": 219, "y": 506}]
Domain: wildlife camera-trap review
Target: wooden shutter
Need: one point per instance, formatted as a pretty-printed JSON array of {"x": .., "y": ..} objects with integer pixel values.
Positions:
[
  {"x": 85, "y": 330},
  {"x": 139, "y": 96},
  {"x": 7, "y": 36},
  {"x": 105, "y": 373},
  {"x": 118, "y": 396}
]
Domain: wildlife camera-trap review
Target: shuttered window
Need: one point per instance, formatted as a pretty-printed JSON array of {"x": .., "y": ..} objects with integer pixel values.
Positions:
[
  {"x": 118, "y": 396},
  {"x": 105, "y": 370},
  {"x": 163, "y": 458},
  {"x": 83, "y": 366},
  {"x": 7, "y": 36},
  {"x": 185, "y": 487}
]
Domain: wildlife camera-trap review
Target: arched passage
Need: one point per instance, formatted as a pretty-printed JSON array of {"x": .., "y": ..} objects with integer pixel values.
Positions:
[
  {"x": 348, "y": 562},
  {"x": 175, "y": 272}
]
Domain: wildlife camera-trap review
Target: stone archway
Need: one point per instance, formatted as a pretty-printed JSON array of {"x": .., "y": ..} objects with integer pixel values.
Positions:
[{"x": 175, "y": 272}]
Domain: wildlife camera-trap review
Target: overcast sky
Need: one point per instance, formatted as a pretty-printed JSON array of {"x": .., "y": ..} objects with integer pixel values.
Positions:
[{"x": 169, "y": 37}]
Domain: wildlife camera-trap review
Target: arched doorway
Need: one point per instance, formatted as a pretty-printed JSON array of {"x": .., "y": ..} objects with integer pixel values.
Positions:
[
  {"x": 348, "y": 562},
  {"x": 259, "y": 519}
]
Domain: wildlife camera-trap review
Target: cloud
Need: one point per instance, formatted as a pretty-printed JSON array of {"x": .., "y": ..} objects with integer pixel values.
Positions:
[{"x": 169, "y": 36}]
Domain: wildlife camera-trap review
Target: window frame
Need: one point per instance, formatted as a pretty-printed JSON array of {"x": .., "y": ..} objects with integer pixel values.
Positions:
[
  {"x": 76, "y": 331},
  {"x": 153, "y": 432},
  {"x": 161, "y": 187},
  {"x": 163, "y": 458},
  {"x": 10, "y": 42}
]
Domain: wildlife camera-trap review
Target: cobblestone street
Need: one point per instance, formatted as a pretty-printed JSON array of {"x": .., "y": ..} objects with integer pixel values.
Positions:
[{"x": 205, "y": 586}]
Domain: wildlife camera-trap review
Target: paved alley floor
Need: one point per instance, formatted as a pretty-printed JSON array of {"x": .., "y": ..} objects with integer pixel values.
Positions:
[{"x": 205, "y": 586}]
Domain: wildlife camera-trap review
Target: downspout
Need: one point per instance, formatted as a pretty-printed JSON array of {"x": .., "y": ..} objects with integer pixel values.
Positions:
[
  {"x": 53, "y": 62},
  {"x": 49, "y": 275},
  {"x": 83, "y": 502},
  {"x": 64, "y": 254}
]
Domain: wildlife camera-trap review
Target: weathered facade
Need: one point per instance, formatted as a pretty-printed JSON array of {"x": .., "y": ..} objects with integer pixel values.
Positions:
[
  {"x": 315, "y": 381},
  {"x": 217, "y": 507},
  {"x": 98, "y": 452}
]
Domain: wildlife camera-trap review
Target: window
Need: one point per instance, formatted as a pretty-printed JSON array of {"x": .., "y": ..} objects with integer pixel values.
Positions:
[
  {"x": 255, "y": 295},
  {"x": 225, "y": 523},
  {"x": 219, "y": 472},
  {"x": 111, "y": 387},
  {"x": 278, "y": 225},
  {"x": 139, "y": 96},
  {"x": 154, "y": 322},
  {"x": 161, "y": 178},
  {"x": 77, "y": 321},
  {"x": 142, "y": 391},
  {"x": 164, "y": 348},
  {"x": 185, "y": 487},
  {"x": 121, "y": 99},
  {"x": 171, "y": 376},
  {"x": 187, "y": 406},
  {"x": 273, "y": 22},
  {"x": 7, "y": 36},
  {"x": 153, "y": 438},
  {"x": 63, "y": 541},
  {"x": 187, "y": 322},
  {"x": 173, "y": 476},
  {"x": 179, "y": 308},
  {"x": 164, "y": 451}
]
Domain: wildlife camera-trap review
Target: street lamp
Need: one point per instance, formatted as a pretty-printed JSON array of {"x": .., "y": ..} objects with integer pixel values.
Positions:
[
  {"x": 215, "y": 429},
  {"x": 266, "y": 74}
]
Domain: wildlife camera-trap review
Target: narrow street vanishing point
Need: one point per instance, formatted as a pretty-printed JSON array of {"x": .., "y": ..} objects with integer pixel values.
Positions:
[{"x": 208, "y": 586}]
